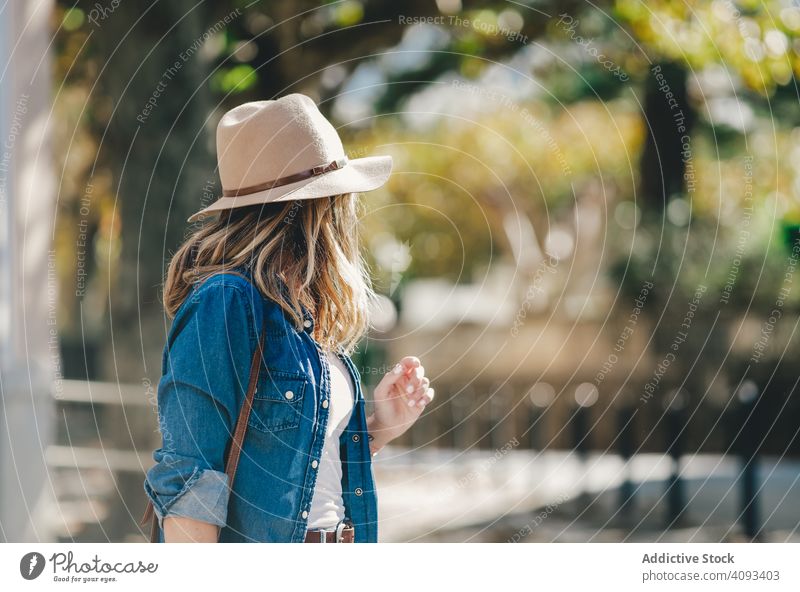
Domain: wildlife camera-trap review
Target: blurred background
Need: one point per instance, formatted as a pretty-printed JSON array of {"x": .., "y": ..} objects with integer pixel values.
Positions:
[{"x": 590, "y": 238}]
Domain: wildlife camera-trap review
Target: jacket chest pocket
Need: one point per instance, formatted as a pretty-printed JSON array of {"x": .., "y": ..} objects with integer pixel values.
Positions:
[{"x": 278, "y": 401}]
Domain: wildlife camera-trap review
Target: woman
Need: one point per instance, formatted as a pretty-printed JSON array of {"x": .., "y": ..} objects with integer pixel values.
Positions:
[{"x": 274, "y": 291}]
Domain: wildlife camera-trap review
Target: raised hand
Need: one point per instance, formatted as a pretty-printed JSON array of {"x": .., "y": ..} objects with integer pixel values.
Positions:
[{"x": 399, "y": 399}]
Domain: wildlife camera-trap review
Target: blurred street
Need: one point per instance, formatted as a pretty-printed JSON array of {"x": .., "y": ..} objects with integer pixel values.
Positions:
[{"x": 441, "y": 495}]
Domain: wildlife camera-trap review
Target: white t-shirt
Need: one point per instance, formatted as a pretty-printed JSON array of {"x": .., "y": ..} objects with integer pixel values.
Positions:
[{"x": 327, "y": 507}]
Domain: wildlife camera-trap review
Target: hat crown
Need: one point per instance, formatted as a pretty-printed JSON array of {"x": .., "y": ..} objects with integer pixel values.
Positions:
[{"x": 262, "y": 141}]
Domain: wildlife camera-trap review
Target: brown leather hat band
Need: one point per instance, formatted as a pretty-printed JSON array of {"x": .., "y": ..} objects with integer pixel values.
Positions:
[{"x": 301, "y": 176}]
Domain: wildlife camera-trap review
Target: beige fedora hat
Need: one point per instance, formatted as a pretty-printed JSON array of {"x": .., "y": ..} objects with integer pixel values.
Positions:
[{"x": 284, "y": 150}]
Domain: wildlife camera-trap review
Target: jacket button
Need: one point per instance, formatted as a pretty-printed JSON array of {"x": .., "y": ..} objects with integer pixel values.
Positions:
[
  {"x": 325, "y": 404},
  {"x": 307, "y": 324},
  {"x": 356, "y": 438},
  {"x": 289, "y": 395},
  {"x": 304, "y": 514},
  {"x": 314, "y": 464},
  {"x": 359, "y": 491}
]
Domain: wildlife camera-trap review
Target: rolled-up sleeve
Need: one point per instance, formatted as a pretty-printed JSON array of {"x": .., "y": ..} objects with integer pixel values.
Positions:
[{"x": 205, "y": 374}]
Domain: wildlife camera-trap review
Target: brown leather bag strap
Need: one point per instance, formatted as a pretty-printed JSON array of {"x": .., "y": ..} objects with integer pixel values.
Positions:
[
  {"x": 244, "y": 414},
  {"x": 238, "y": 435},
  {"x": 149, "y": 516},
  {"x": 247, "y": 406}
]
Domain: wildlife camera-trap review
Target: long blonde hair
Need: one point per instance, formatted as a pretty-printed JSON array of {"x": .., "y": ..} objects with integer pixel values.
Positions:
[{"x": 312, "y": 245}]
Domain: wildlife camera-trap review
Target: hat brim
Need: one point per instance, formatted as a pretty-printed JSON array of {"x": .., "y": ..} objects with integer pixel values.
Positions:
[{"x": 357, "y": 176}]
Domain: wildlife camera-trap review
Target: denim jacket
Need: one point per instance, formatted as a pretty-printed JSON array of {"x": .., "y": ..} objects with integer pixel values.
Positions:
[{"x": 205, "y": 371}]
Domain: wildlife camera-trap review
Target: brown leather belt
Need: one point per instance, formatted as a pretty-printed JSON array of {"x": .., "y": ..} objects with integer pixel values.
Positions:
[{"x": 342, "y": 534}]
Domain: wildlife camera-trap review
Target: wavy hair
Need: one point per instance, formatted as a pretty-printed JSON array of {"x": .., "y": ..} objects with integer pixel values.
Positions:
[{"x": 312, "y": 245}]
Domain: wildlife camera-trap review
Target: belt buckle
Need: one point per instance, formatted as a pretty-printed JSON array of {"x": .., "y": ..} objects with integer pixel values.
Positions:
[{"x": 340, "y": 529}]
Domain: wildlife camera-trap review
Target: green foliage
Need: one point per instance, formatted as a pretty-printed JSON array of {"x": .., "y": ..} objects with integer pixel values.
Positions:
[
  {"x": 349, "y": 13},
  {"x": 234, "y": 80},
  {"x": 73, "y": 19},
  {"x": 755, "y": 39}
]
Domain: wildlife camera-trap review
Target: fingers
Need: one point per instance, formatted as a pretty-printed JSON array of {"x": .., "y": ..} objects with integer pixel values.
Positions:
[
  {"x": 415, "y": 391},
  {"x": 410, "y": 383},
  {"x": 408, "y": 380},
  {"x": 396, "y": 376},
  {"x": 408, "y": 363},
  {"x": 421, "y": 398},
  {"x": 428, "y": 396},
  {"x": 399, "y": 374}
]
